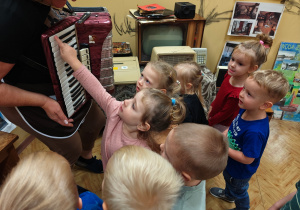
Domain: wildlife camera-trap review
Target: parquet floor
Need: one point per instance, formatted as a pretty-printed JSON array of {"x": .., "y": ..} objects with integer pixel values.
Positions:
[{"x": 276, "y": 177}]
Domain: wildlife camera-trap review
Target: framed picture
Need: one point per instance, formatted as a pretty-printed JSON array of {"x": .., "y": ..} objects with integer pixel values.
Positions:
[
  {"x": 227, "y": 51},
  {"x": 252, "y": 18}
]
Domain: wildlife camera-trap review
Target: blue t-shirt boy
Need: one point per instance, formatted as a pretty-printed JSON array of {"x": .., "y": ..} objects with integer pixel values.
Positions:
[{"x": 249, "y": 137}]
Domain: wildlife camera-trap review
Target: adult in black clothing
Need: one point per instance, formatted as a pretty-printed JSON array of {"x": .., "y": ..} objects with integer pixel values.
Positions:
[{"x": 26, "y": 93}]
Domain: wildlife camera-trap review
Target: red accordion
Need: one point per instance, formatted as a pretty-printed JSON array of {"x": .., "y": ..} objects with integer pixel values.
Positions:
[{"x": 92, "y": 38}]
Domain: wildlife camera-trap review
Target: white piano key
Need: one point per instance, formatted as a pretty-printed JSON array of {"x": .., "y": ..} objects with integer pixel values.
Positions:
[
  {"x": 66, "y": 30},
  {"x": 65, "y": 82}
]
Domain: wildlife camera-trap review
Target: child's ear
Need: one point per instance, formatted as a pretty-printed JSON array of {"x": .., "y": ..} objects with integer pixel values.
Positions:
[
  {"x": 104, "y": 206},
  {"x": 164, "y": 90},
  {"x": 189, "y": 85},
  {"x": 79, "y": 203},
  {"x": 267, "y": 104},
  {"x": 186, "y": 176},
  {"x": 253, "y": 69},
  {"x": 143, "y": 126}
]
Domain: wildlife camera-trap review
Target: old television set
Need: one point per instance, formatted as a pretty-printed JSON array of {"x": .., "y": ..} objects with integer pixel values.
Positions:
[{"x": 167, "y": 32}]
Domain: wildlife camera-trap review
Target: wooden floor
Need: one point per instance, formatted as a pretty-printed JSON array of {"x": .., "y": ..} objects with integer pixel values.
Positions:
[{"x": 276, "y": 177}]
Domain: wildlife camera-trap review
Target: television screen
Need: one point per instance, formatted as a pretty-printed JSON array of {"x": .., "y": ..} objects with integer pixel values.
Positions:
[{"x": 161, "y": 35}]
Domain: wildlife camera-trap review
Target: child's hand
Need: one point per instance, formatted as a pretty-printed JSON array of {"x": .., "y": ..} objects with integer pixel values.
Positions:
[
  {"x": 210, "y": 108},
  {"x": 69, "y": 54}
]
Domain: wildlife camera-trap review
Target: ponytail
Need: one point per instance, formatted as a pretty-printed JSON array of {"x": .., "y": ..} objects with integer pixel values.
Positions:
[
  {"x": 160, "y": 112},
  {"x": 260, "y": 47},
  {"x": 178, "y": 111}
]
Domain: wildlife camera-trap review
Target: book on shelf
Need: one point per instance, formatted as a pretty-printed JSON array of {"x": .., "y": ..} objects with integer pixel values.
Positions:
[
  {"x": 168, "y": 14},
  {"x": 151, "y": 9}
]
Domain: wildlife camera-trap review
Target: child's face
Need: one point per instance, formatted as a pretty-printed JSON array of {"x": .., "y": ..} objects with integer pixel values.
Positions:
[
  {"x": 239, "y": 64},
  {"x": 132, "y": 110},
  {"x": 252, "y": 96},
  {"x": 149, "y": 79},
  {"x": 168, "y": 149}
]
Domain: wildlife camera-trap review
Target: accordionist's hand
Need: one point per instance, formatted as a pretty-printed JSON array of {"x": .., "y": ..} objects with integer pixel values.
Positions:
[
  {"x": 69, "y": 54},
  {"x": 55, "y": 113}
]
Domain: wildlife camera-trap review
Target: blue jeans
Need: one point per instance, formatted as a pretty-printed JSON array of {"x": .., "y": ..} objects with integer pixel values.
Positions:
[{"x": 237, "y": 189}]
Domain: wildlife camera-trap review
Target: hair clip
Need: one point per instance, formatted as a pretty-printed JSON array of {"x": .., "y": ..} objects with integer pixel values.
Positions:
[
  {"x": 177, "y": 81},
  {"x": 173, "y": 101},
  {"x": 262, "y": 43}
]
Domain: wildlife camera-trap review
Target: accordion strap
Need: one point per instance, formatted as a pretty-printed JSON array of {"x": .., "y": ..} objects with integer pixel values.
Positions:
[{"x": 34, "y": 64}]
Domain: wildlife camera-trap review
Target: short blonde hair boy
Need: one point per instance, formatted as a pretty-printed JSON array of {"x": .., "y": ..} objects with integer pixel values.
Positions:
[
  {"x": 200, "y": 150},
  {"x": 138, "y": 178},
  {"x": 273, "y": 82},
  {"x": 41, "y": 180}
]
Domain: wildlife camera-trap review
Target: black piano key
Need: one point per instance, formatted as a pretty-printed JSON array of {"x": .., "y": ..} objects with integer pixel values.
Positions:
[
  {"x": 74, "y": 89},
  {"x": 66, "y": 64},
  {"x": 71, "y": 80},
  {"x": 70, "y": 73},
  {"x": 73, "y": 45},
  {"x": 69, "y": 39},
  {"x": 66, "y": 34},
  {"x": 75, "y": 94},
  {"x": 78, "y": 103},
  {"x": 78, "y": 97},
  {"x": 68, "y": 69},
  {"x": 72, "y": 83}
]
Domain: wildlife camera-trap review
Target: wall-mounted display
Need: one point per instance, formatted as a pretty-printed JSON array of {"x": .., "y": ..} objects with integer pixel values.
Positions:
[
  {"x": 287, "y": 62},
  {"x": 252, "y": 18}
]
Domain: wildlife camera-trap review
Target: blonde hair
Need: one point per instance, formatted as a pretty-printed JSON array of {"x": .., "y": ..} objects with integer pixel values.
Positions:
[
  {"x": 273, "y": 82},
  {"x": 160, "y": 114},
  {"x": 255, "y": 49},
  {"x": 202, "y": 150},
  {"x": 190, "y": 72},
  {"x": 40, "y": 181},
  {"x": 137, "y": 178},
  {"x": 168, "y": 77}
]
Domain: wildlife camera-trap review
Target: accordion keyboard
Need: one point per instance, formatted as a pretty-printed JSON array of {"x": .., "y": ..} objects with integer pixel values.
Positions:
[{"x": 72, "y": 91}]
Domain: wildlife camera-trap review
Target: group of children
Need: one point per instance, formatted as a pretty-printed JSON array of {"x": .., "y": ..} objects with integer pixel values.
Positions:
[{"x": 136, "y": 177}]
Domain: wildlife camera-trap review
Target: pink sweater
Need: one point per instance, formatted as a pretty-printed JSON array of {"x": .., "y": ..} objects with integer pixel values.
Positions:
[{"x": 113, "y": 137}]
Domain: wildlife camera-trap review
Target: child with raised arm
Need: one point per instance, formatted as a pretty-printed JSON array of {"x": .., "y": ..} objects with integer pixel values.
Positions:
[
  {"x": 137, "y": 178},
  {"x": 197, "y": 152},
  {"x": 248, "y": 134},
  {"x": 130, "y": 122},
  {"x": 190, "y": 77},
  {"x": 246, "y": 58},
  {"x": 159, "y": 75}
]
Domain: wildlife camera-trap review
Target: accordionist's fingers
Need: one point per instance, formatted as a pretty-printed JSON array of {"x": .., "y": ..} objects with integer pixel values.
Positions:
[{"x": 55, "y": 113}]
